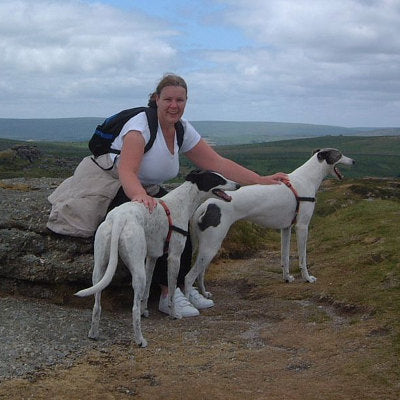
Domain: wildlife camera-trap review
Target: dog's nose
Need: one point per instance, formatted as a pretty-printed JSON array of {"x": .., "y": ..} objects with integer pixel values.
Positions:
[{"x": 237, "y": 186}]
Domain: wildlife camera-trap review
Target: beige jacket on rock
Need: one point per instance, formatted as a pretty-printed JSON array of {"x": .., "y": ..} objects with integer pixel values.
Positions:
[{"x": 80, "y": 203}]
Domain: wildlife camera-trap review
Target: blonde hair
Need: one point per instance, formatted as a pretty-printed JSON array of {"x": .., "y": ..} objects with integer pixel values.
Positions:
[{"x": 167, "y": 80}]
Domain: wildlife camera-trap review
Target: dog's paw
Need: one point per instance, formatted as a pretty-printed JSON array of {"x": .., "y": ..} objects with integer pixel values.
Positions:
[
  {"x": 311, "y": 279},
  {"x": 93, "y": 335},
  {"x": 145, "y": 313},
  {"x": 289, "y": 278},
  {"x": 207, "y": 295},
  {"x": 142, "y": 343}
]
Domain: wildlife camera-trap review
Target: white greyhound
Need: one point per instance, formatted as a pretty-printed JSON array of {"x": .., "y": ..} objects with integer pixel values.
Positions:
[
  {"x": 272, "y": 206},
  {"x": 140, "y": 237}
]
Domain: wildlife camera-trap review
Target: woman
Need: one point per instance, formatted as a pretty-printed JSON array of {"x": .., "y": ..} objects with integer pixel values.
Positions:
[
  {"x": 137, "y": 169},
  {"x": 80, "y": 203}
]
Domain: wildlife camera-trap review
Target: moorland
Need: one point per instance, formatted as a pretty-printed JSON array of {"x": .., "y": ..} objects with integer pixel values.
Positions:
[
  {"x": 377, "y": 156},
  {"x": 336, "y": 339}
]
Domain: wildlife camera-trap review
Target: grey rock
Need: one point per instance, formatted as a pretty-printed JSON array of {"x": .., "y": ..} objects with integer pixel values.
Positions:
[{"x": 30, "y": 254}]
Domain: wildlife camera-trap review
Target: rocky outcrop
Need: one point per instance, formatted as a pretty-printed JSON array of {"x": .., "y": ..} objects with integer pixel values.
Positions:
[
  {"x": 27, "y": 152},
  {"x": 33, "y": 260}
]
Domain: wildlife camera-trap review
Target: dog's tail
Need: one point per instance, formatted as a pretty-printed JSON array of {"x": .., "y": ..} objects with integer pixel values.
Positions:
[{"x": 116, "y": 230}]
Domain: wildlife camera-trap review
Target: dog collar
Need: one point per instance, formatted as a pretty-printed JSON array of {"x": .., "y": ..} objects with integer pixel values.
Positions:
[
  {"x": 298, "y": 200},
  {"x": 171, "y": 227}
]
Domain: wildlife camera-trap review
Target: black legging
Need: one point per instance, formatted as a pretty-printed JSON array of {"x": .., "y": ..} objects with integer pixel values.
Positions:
[{"x": 160, "y": 275}]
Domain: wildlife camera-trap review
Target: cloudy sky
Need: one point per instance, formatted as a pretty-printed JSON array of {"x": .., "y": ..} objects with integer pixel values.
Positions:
[{"x": 311, "y": 61}]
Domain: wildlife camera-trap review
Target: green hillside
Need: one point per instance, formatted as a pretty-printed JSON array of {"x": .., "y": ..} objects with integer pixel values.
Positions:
[{"x": 377, "y": 156}]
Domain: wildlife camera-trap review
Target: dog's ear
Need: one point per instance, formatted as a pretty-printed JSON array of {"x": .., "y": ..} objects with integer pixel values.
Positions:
[
  {"x": 206, "y": 180},
  {"x": 321, "y": 155},
  {"x": 315, "y": 151},
  {"x": 192, "y": 175}
]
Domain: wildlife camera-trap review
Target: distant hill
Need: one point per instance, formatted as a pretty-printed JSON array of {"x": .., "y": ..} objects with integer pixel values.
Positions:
[
  {"x": 60, "y": 129},
  {"x": 228, "y": 132},
  {"x": 217, "y": 132}
]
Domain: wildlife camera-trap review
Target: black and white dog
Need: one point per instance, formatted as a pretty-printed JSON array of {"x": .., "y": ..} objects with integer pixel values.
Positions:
[
  {"x": 140, "y": 237},
  {"x": 272, "y": 206}
]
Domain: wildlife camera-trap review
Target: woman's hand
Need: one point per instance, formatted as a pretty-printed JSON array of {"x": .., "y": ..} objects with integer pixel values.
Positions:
[
  {"x": 275, "y": 179},
  {"x": 148, "y": 201}
]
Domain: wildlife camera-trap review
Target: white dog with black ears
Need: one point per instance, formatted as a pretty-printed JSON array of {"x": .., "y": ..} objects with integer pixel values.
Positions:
[
  {"x": 271, "y": 206},
  {"x": 140, "y": 237}
]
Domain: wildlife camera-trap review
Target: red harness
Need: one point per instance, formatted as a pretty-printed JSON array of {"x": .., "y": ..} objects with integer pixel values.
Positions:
[
  {"x": 171, "y": 227},
  {"x": 298, "y": 200}
]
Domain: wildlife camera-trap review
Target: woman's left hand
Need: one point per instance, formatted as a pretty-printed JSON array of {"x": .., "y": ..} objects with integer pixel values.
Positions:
[{"x": 275, "y": 179}]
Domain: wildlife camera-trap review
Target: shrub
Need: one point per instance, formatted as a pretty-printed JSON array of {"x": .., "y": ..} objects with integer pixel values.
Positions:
[{"x": 245, "y": 239}]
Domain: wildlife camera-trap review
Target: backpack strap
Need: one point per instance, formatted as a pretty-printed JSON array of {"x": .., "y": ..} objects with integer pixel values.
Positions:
[
  {"x": 179, "y": 133},
  {"x": 152, "y": 120}
]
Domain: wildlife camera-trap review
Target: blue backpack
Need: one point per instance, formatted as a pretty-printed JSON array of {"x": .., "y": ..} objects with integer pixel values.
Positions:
[{"x": 104, "y": 135}]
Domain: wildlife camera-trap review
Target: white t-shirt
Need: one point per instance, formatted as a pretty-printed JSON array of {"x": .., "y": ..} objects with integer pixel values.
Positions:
[{"x": 158, "y": 164}]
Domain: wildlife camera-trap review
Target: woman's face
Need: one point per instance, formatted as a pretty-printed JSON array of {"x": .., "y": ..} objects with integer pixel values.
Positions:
[{"x": 171, "y": 104}]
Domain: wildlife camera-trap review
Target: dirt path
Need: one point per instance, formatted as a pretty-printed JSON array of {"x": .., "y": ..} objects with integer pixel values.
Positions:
[{"x": 263, "y": 340}]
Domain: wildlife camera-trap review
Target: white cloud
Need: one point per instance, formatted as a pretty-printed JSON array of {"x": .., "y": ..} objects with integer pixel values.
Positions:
[
  {"x": 343, "y": 54},
  {"x": 344, "y": 26},
  {"x": 69, "y": 49}
]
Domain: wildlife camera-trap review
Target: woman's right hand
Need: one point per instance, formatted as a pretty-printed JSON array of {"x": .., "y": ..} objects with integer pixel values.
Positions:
[{"x": 148, "y": 201}]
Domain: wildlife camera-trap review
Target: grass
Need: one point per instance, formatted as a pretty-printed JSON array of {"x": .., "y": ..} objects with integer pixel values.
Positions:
[
  {"x": 246, "y": 238},
  {"x": 360, "y": 249},
  {"x": 357, "y": 259}
]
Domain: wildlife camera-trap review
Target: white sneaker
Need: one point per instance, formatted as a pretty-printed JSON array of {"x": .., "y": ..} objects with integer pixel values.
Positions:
[
  {"x": 181, "y": 303},
  {"x": 199, "y": 301}
]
